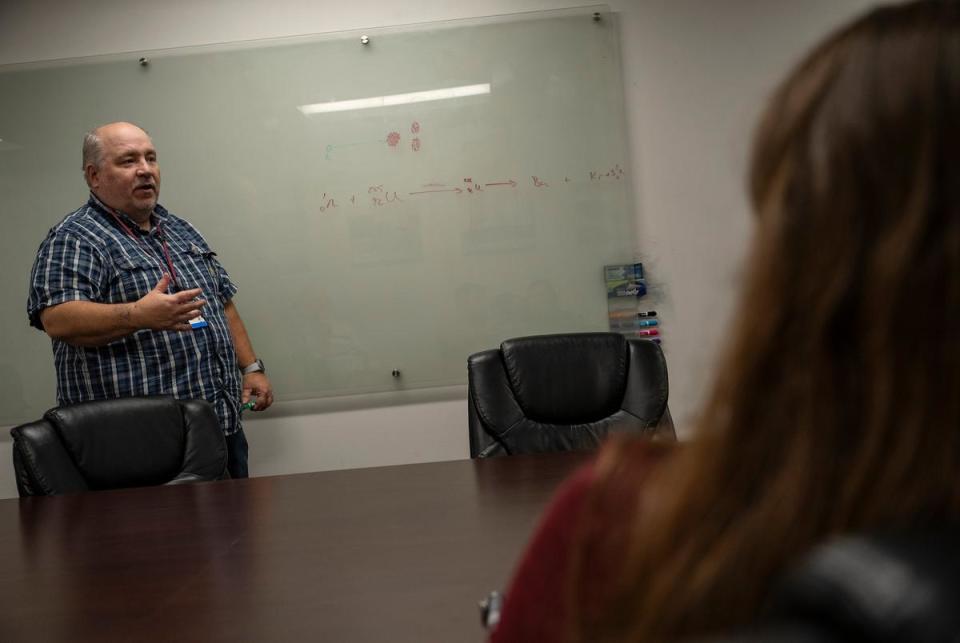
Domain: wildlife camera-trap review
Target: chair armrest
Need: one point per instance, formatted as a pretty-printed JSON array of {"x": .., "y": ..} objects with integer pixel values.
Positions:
[
  {"x": 37, "y": 448},
  {"x": 205, "y": 449},
  {"x": 187, "y": 478}
]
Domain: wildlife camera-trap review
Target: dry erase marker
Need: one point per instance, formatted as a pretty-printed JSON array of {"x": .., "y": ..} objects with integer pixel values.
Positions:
[
  {"x": 648, "y": 333},
  {"x": 248, "y": 406},
  {"x": 649, "y": 313},
  {"x": 636, "y": 323}
]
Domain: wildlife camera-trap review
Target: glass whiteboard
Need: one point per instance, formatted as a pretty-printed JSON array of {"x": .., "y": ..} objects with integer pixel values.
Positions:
[{"x": 387, "y": 200}]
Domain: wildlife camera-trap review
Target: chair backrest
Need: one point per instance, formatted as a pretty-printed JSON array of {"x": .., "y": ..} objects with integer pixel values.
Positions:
[
  {"x": 126, "y": 442},
  {"x": 564, "y": 392},
  {"x": 870, "y": 588}
]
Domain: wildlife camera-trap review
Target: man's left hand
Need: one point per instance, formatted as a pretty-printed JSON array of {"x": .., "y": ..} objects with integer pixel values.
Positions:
[{"x": 257, "y": 385}]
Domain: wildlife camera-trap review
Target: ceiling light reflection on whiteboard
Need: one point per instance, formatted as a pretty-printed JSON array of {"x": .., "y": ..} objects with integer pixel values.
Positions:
[{"x": 395, "y": 99}]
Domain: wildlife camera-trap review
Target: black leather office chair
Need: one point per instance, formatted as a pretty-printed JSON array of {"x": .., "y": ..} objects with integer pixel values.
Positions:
[
  {"x": 564, "y": 392},
  {"x": 876, "y": 588},
  {"x": 127, "y": 442}
]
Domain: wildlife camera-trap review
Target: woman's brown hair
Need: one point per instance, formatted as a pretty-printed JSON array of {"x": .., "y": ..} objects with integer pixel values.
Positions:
[{"x": 836, "y": 405}]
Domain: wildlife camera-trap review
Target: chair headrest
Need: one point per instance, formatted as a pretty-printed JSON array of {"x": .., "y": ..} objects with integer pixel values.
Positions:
[
  {"x": 139, "y": 441},
  {"x": 559, "y": 378}
]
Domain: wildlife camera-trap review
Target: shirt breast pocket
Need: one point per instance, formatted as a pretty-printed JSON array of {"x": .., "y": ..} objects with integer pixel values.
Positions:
[
  {"x": 136, "y": 276},
  {"x": 200, "y": 270}
]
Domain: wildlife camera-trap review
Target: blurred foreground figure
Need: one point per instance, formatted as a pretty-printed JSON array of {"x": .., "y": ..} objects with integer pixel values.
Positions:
[{"x": 836, "y": 407}]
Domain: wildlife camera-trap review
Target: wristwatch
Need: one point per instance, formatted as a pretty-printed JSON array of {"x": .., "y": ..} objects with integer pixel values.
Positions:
[{"x": 254, "y": 367}]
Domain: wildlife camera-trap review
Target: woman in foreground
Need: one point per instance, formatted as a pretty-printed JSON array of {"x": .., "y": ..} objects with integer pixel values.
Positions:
[{"x": 836, "y": 408}]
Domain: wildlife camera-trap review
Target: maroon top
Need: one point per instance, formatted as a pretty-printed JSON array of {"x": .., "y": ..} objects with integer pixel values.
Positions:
[{"x": 579, "y": 522}]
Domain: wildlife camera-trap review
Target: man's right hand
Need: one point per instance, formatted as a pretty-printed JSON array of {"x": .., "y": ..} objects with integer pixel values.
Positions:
[{"x": 159, "y": 311}]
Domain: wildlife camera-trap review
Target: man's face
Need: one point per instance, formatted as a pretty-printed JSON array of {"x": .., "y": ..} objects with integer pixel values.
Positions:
[{"x": 128, "y": 179}]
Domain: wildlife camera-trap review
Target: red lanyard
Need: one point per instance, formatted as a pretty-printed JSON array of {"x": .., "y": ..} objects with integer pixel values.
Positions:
[{"x": 163, "y": 243}]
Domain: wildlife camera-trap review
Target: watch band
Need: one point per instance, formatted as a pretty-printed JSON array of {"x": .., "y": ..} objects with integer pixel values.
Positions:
[{"x": 255, "y": 367}]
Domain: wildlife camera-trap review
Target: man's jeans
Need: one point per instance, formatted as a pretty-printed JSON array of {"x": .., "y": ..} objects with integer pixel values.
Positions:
[{"x": 237, "y": 450}]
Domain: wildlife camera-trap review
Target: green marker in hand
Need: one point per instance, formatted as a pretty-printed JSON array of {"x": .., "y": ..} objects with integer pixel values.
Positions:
[{"x": 248, "y": 406}]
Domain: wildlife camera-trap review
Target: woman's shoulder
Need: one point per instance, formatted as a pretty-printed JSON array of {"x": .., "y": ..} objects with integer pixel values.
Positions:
[
  {"x": 617, "y": 469},
  {"x": 585, "y": 521},
  {"x": 625, "y": 463},
  {"x": 606, "y": 481}
]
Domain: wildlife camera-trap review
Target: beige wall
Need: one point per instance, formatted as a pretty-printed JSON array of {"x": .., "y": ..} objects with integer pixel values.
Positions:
[{"x": 696, "y": 74}]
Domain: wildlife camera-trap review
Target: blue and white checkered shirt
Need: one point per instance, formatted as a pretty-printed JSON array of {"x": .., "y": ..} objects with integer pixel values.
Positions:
[{"x": 90, "y": 257}]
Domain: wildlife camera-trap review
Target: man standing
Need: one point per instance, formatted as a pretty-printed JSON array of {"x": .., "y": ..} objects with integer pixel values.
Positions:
[{"x": 135, "y": 301}]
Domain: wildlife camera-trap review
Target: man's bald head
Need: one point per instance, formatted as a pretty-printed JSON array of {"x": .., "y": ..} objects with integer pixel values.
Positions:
[
  {"x": 93, "y": 144},
  {"x": 120, "y": 167}
]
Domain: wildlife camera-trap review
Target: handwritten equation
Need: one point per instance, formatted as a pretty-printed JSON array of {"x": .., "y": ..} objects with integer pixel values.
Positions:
[{"x": 380, "y": 195}]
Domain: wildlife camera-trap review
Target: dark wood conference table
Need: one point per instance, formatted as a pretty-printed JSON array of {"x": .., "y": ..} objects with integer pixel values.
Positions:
[{"x": 400, "y": 553}]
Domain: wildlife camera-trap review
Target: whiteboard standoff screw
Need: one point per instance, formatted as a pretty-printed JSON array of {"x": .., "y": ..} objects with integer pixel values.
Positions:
[
  {"x": 364, "y": 40},
  {"x": 596, "y": 16},
  {"x": 144, "y": 61},
  {"x": 395, "y": 372}
]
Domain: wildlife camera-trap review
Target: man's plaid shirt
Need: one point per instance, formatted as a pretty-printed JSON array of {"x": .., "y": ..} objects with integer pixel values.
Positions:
[{"x": 90, "y": 257}]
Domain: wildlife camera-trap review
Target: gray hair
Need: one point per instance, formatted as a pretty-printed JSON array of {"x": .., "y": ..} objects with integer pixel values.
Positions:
[{"x": 92, "y": 150}]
